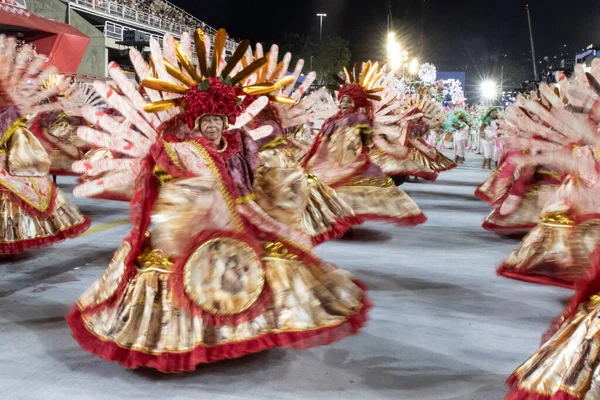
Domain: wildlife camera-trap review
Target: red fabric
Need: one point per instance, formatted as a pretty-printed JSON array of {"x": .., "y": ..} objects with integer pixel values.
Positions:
[
  {"x": 539, "y": 279},
  {"x": 180, "y": 362},
  {"x": 516, "y": 393},
  {"x": 24, "y": 245},
  {"x": 31, "y": 210},
  {"x": 61, "y": 43},
  {"x": 356, "y": 93},
  {"x": 218, "y": 99},
  {"x": 507, "y": 230},
  {"x": 338, "y": 229}
]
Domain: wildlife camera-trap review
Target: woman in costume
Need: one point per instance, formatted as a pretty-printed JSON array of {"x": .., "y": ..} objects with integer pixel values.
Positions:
[
  {"x": 56, "y": 130},
  {"x": 33, "y": 211},
  {"x": 205, "y": 274},
  {"x": 459, "y": 123},
  {"x": 407, "y": 154},
  {"x": 515, "y": 189},
  {"x": 282, "y": 188},
  {"x": 488, "y": 133},
  {"x": 561, "y": 137},
  {"x": 340, "y": 155}
]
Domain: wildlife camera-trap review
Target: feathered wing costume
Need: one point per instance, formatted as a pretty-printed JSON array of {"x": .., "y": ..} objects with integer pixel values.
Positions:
[
  {"x": 405, "y": 152},
  {"x": 281, "y": 186},
  {"x": 562, "y": 137},
  {"x": 340, "y": 154},
  {"x": 514, "y": 189},
  {"x": 33, "y": 211},
  {"x": 56, "y": 130},
  {"x": 205, "y": 274},
  {"x": 566, "y": 366}
]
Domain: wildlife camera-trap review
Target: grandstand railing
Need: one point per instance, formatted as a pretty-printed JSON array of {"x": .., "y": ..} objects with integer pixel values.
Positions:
[
  {"x": 145, "y": 19},
  {"x": 16, "y": 3}
]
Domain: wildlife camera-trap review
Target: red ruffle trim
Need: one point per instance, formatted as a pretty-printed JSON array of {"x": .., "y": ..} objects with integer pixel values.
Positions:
[
  {"x": 539, "y": 279},
  {"x": 339, "y": 229},
  {"x": 406, "y": 221},
  {"x": 481, "y": 195},
  {"x": 507, "y": 230},
  {"x": 516, "y": 393},
  {"x": 24, "y": 245},
  {"x": 181, "y": 362}
]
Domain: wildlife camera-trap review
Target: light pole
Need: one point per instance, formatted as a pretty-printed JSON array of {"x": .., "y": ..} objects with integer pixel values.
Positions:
[
  {"x": 532, "y": 46},
  {"x": 321, "y": 26}
]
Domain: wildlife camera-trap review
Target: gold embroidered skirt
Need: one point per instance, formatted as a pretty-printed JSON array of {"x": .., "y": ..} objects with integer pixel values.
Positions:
[
  {"x": 553, "y": 253},
  {"x": 567, "y": 366},
  {"x": 225, "y": 303},
  {"x": 379, "y": 199},
  {"x": 522, "y": 220},
  {"x": 22, "y": 229}
]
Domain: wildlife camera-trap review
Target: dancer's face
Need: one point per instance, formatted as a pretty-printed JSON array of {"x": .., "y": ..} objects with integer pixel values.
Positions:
[
  {"x": 346, "y": 104},
  {"x": 211, "y": 128}
]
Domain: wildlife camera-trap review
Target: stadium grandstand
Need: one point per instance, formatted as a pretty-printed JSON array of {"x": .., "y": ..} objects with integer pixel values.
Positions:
[{"x": 114, "y": 26}]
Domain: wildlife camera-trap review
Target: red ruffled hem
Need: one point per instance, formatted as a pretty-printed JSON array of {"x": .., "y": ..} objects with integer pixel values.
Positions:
[
  {"x": 539, "y": 279},
  {"x": 481, "y": 195},
  {"x": 181, "y": 362},
  {"x": 516, "y": 393},
  {"x": 24, "y": 245},
  {"x": 339, "y": 229},
  {"x": 507, "y": 230},
  {"x": 406, "y": 221}
]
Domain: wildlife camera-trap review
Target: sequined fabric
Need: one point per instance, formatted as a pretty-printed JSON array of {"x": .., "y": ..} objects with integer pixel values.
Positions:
[
  {"x": 567, "y": 362},
  {"x": 16, "y": 225}
]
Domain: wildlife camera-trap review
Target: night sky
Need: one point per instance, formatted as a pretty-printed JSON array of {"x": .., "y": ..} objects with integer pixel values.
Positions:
[{"x": 454, "y": 33}]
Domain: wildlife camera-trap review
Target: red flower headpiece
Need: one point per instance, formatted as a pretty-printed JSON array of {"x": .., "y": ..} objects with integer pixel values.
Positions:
[
  {"x": 212, "y": 97},
  {"x": 356, "y": 92}
]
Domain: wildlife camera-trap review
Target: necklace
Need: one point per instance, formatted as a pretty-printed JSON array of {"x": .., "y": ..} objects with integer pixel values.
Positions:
[{"x": 224, "y": 145}]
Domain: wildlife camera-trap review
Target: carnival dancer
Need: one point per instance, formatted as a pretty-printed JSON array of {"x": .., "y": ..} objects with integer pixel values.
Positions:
[
  {"x": 340, "y": 155},
  {"x": 459, "y": 124},
  {"x": 557, "y": 251},
  {"x": 488, "y": 133},
  {"x": 34, "y": 212},
  {"x": 56, "y": 130},
  {"x": 515, "y": 189},
  {"x": 205, "y": 274},
  {"x": 409, "y": 155},
  {"x": 281, "y": 187}
]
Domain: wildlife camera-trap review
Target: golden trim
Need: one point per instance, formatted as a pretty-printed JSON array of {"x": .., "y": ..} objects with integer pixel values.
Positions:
[
  {"x": 254, "y": 261},
  {"x": 225, "y": 145},
  {"x": 383, "y": 182},
  {"x": 46, "y": 202},
  {"x": 277, "y": 250},
  {"x": 558, "y": 219},
  {"x": 239, "y": 226},
  {"x": 172, "y": 154},
  {"x": 18, "y": 124},
  {"x": 277, "y": 141},
  {"x": 245, "y": 199},
  {"x": 150, "y": 258}
]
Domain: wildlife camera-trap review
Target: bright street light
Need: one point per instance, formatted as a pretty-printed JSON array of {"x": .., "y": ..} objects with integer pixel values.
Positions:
[
  {"x": 489, "y": 90},
  {"x": 413, "y": 68},
  {"x": 321, "y": 26},
  {"x": 393, "y": 51}
]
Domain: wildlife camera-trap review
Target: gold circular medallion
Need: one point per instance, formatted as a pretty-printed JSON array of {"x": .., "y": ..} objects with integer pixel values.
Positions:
[{"x": 224, "y": 276}]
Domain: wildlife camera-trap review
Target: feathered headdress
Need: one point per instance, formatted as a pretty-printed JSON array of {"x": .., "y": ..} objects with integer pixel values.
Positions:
[
  {"x": 214, "y": 87},
  {"x": 359, "y": 85}
]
